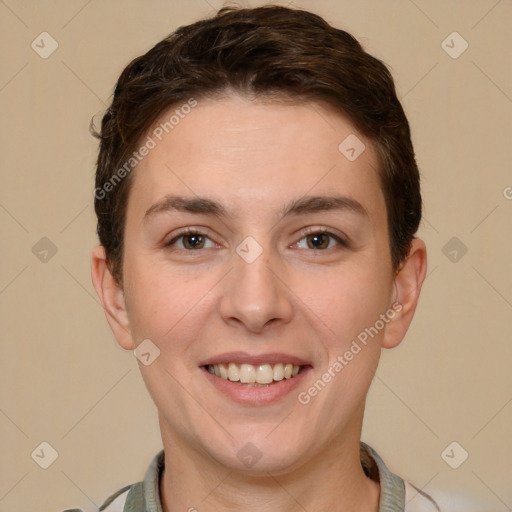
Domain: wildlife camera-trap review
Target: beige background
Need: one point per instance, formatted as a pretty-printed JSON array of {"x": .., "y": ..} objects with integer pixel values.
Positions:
[{"x": 64, "y": 380}]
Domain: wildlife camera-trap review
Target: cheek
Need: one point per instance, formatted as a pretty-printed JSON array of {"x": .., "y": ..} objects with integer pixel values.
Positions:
[
  {"x": 345, "y": 301},
  {"x": 164, "y": 304}
]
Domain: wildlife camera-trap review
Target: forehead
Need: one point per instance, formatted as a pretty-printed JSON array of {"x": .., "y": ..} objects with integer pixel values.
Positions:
[{"x": 244, "y": 153}]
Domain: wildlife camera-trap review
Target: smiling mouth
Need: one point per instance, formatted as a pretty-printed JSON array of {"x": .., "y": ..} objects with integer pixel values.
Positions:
[{"x": 254, "y": 375}]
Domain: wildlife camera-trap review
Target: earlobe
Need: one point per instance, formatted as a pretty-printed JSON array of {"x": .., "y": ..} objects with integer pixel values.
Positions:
[
  {"x": 112, "y": 298},
  {"x": 408, "y": 282}
]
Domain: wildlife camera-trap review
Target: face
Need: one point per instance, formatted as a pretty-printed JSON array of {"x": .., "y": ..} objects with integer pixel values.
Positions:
[{"x": 254, "y": 243}]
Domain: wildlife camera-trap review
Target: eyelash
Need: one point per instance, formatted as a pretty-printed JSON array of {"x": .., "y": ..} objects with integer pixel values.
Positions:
[
  {"x": 307, "y": 232},
  {"x": 324, "y": 231}
]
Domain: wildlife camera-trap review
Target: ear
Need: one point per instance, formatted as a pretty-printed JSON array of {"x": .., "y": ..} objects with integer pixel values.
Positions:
[
  {"x": 112, "y": 298},
  {"x": 408, "y": 282}
]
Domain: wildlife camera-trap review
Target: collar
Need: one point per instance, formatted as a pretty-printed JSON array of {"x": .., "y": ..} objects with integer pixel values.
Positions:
[{"x": 145, "y": 496}]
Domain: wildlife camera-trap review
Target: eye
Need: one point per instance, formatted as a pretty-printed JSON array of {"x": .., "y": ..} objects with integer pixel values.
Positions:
[
  {"x": 321, "y": 240},
  {"x": 189, "y": 240}
]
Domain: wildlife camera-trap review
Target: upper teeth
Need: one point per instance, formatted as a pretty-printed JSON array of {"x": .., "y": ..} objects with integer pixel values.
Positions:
[{"x": 248, "y": 373}]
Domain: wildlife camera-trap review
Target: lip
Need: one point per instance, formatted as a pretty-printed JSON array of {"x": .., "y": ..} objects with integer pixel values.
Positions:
[
  {"x": 245, "y": 358},
  {"x": 255, "y": 395}
]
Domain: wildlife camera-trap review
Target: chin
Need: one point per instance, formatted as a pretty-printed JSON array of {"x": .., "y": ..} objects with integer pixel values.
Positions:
[{"x": 258, "y": 453}]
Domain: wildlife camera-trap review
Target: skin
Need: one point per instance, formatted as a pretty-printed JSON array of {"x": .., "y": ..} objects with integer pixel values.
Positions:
[{"x": 254, "y": 158}]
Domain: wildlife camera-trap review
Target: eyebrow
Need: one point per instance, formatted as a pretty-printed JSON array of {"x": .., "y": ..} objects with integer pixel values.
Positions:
[{"x": 301, "y": 206}]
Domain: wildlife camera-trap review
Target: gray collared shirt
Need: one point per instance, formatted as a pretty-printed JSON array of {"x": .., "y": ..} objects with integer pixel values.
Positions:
[{"x": 396, "y": 495}]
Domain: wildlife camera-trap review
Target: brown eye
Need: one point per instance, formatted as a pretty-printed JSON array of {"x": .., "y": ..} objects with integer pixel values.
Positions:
[
  {"x": 193, "y": 241},
  {"x": 189, "y": 241},
  {"x": 320, "y": 240}
]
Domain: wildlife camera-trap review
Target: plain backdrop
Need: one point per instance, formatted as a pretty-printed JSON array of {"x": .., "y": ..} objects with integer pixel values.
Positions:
[{"x": 63, "y": 378}]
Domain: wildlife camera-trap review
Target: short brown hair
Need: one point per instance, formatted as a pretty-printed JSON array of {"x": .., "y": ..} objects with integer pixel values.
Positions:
[{"x": 267, "y": 51}]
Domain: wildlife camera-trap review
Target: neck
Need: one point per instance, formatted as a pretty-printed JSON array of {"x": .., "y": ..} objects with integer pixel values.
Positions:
[{"x": 331, "y": 480}]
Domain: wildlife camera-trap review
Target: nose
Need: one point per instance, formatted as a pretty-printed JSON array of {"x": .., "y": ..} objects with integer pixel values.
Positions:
[{"x": 255, "y": 295}]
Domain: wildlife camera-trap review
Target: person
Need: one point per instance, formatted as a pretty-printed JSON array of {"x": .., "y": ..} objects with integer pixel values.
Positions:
[{"x": 258, "y": 198}]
